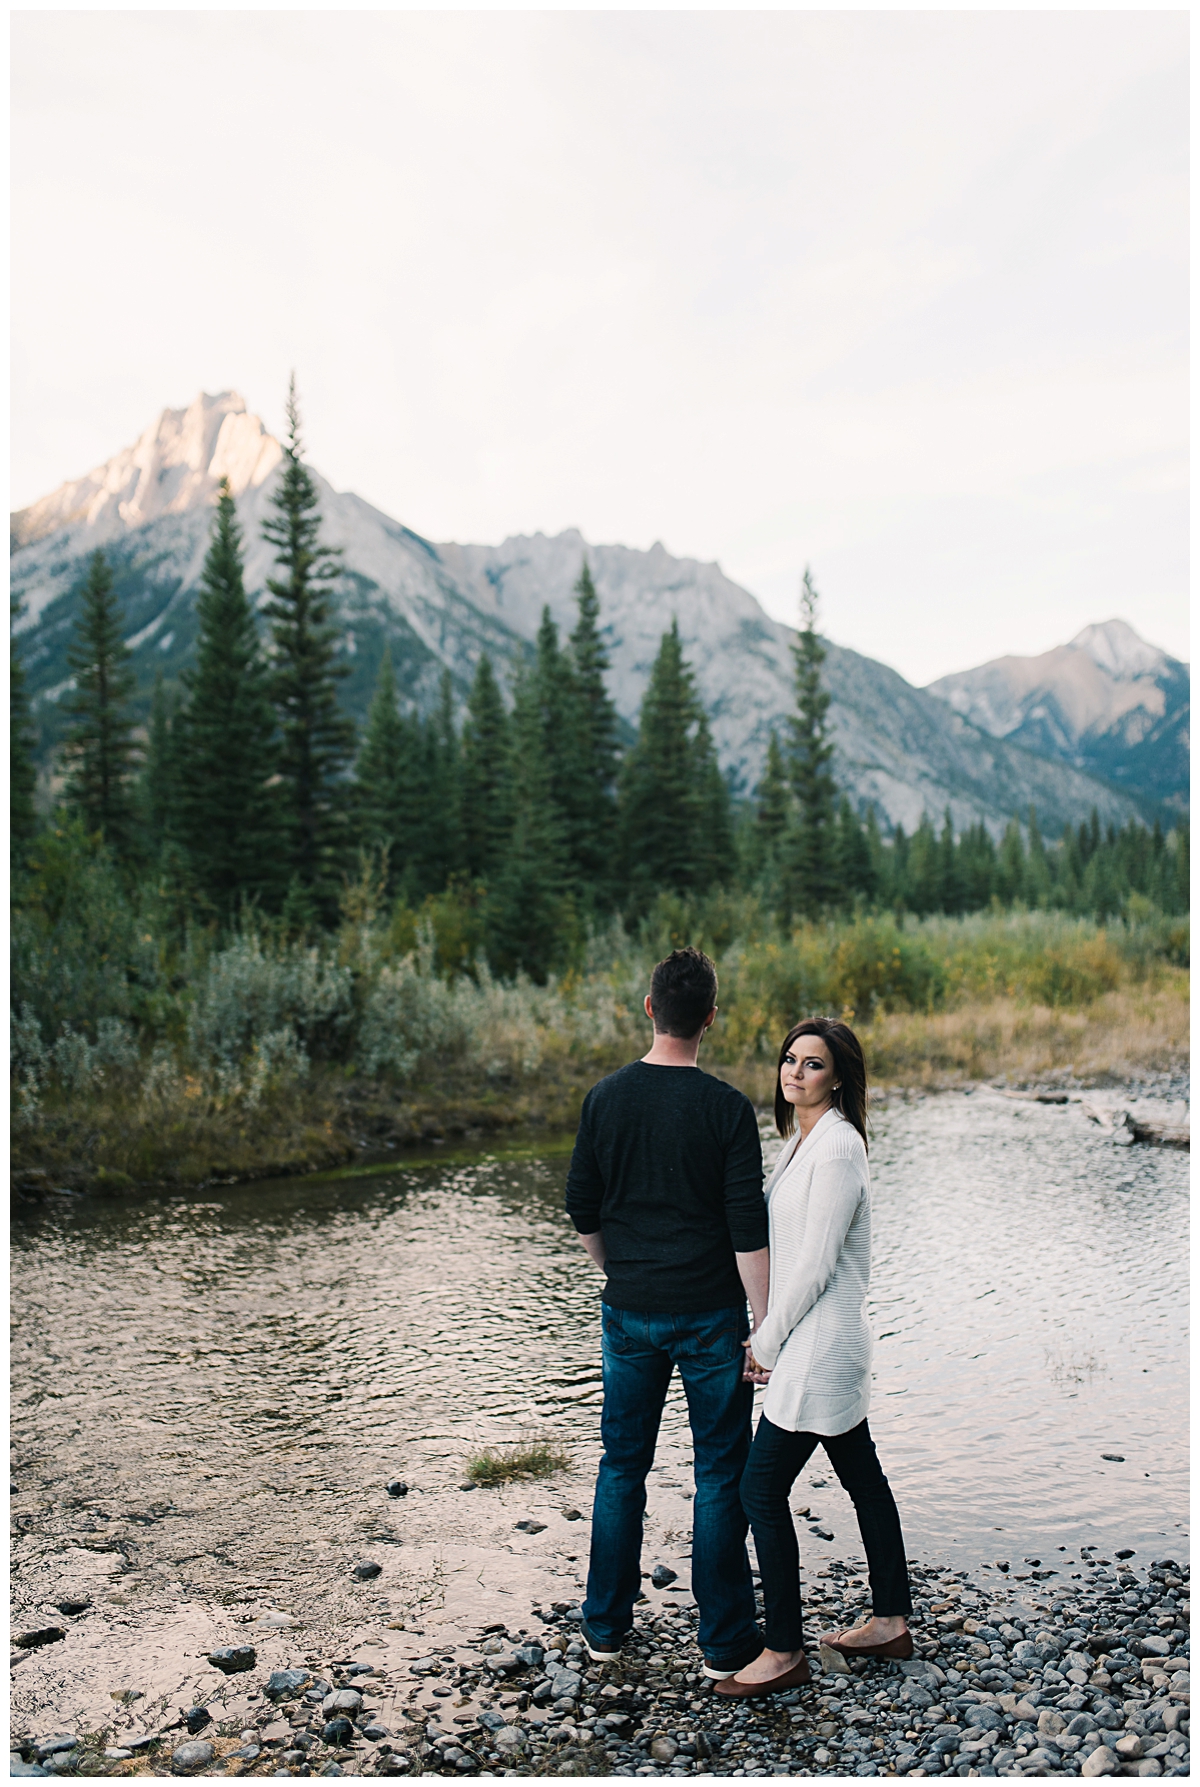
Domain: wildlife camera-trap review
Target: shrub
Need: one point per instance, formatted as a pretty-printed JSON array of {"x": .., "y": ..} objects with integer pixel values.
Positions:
[
  {"x": 78, "y": 953},
  {"x": 248, "y": 998},
  {"x": 877, "y": 967}
]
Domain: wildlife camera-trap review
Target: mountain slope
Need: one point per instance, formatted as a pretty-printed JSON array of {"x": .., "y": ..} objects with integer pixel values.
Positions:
[
  {"x": 1107, "y": 703},
  {"x": 150, "y": 508}
]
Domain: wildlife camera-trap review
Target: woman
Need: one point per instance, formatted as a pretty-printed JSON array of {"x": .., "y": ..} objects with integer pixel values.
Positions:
[{"x": 813, "y": 1352}]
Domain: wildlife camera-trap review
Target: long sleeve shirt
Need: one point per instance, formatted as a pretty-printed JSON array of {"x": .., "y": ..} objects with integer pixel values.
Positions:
[
  {"x": 668, "y": 1167},
  {"x": 814, "y": 1339}
]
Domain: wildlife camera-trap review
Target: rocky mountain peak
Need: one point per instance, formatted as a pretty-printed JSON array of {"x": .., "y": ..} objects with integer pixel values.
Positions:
[
  {"x": 1117, "y": 649},
  {"x": 175, "y": 466},
  {"x": 439, "y": 607}
]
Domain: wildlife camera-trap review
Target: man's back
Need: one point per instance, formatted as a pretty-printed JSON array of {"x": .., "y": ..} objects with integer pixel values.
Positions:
[{"x": 668, "y": 1163}]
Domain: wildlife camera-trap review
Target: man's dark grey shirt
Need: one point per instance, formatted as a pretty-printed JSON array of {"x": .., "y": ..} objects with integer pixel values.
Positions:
[{"x": 668, "y": 1163}]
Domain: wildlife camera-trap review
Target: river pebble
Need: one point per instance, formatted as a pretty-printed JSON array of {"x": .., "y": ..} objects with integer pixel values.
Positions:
[
  {"x": 1087, "y": 1675},
  {"x": 1083, "y": 1670}
]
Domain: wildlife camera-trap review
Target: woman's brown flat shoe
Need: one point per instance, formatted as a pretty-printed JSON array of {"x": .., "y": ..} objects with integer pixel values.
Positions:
[
  {"x": 898, "y": 1650},
  {"x": 795, "y": 1677}
]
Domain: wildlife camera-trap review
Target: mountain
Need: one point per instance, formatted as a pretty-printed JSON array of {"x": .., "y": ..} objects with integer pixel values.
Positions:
[
  {"x": 150, "y": 508},
  {"x": 1106, "y": 702}
]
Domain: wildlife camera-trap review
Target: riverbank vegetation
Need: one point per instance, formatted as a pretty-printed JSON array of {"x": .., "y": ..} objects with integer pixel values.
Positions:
[
  {"x": 189, "y": 1055},
  {"x": 254, "y": 943}
]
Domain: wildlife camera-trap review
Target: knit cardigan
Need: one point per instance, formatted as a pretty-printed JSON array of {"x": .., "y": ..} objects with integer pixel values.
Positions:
[{"x": 814, "y": 1339}]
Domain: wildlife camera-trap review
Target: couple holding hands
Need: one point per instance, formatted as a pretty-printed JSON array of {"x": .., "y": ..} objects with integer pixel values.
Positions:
[{"x": 666, "y": 1191}]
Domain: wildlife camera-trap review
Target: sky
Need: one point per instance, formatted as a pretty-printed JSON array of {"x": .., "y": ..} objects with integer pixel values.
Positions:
[{"x": 899, "y": 296}]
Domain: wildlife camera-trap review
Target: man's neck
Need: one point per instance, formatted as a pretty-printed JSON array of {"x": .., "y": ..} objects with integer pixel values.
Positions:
[{"x": 674, "y": 1051}]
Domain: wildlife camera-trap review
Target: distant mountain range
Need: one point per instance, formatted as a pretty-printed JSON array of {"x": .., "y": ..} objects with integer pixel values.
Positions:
[
  {"x": 908, "y": 750},
  {"x": 1106, "y": 702}
]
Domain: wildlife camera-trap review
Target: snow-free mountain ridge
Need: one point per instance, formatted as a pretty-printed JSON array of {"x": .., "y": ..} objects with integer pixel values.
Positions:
[
  {"x": 150, "y": 508},
  {"x": 1106, "y": 702}
]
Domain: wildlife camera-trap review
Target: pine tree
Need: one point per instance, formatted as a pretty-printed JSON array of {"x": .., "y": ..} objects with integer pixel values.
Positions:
[
  {"x": 22, "y": 777},
  {"x": 949, "y": 878},
  {"x": 714, "y": 836},
  {"x": 855, "y": 864},
  {"x": 875, "y": 854},
  {"x": 531, "y": 918},
  {"x": 661, "y": 806},
  {"x": 1010, "y": 869},
  {"x": 486, "y": 776},
  {"x": 811, "y": 879},
  {"x": 228, "y": 818},
  {"x": 445, "y": 851},
  {"x": 99, "y": 747},
  {"x": 976, "y": 866},
  {"x": 899, "y": 891},
  {"x": 317, "y": 737},
  {"x": 379, "y": 769},
  {"x": 160, "y": 771},
  {"x": 551, "y": 689},
  {"x": 1037, "y": 870},
  {"x": 772, "y": 804},
  {"x": 923, "y": 877},
  {"x": 589, "y": 796}
]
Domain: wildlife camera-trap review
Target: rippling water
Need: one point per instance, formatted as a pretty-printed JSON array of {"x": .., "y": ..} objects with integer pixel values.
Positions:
[{"x": 1029, "y": 1301}]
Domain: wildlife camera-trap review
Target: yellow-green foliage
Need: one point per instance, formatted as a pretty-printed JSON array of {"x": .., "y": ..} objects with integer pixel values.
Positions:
[
  {"x": 268, "y": 1054},
  {"x": 873, "y": 965}
]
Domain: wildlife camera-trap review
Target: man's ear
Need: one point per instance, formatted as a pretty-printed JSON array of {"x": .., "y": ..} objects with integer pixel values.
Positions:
[
  {"x": 710, "y": 1019},
  {"x": 649, "y": 1009}
]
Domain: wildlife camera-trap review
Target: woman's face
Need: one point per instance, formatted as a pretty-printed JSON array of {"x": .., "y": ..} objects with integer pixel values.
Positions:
[{"x": 807, "y": 1075}]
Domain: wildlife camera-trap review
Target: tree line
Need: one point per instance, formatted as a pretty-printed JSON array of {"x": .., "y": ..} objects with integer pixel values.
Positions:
[{"x": 254, "y": 794}]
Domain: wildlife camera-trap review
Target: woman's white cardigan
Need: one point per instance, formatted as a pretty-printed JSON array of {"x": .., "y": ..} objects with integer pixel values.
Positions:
[{"x": 814, "y": 1338}]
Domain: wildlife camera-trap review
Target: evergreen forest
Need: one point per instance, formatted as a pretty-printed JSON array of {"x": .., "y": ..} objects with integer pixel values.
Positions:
[{"x": 252, "y": 827}]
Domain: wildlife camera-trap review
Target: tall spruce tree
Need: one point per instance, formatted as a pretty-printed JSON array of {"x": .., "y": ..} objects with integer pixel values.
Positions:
[
  {"x": 316, "y": 736},
  {"x": 811, "y": 882},
  {"x": 714, "y": 838},
  {"x": 855, "y": 864},
  {"x": 381, "y": 766},
  {"x": 228, "y": 817},
  {"x": 22, "y": 776},
  {"x": 531, "y": 916},
  {"x": 772, "y": 806},
  {"x": 663, "y": 800},
  {"x": 160, "y": 770},
  {"x": 589, "y": 797},
  {"x": 949, "y": 879},
  {"x": 444, "y": 821},
  {"x": 99, "y": 747},
  {"x": 486, "y": 776}
]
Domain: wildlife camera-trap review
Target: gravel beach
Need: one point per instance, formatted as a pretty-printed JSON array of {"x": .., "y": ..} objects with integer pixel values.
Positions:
[{"x": 1076, "y": 1665}]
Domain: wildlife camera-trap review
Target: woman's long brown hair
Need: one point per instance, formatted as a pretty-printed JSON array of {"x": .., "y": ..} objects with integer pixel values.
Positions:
[{"x": 851, "y": 1096}]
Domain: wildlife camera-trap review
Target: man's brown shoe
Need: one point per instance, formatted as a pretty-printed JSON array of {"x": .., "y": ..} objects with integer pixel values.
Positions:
[
  {"x": 795, "y": 1677},
  {"x": 897, "y": 1649}
]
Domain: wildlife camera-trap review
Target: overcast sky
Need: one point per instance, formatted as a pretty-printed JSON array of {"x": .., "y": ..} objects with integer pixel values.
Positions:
[{"x": 902, "y": 296}]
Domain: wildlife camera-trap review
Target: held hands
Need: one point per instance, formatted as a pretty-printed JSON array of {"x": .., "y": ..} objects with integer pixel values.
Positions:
[{"x": 752, "y": 1371}]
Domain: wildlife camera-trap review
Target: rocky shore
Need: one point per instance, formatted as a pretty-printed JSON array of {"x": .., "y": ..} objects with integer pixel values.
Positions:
[{"x": 1073, "y": 1665}]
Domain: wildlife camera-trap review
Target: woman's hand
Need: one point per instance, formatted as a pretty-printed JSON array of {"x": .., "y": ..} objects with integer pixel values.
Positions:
[{"x": 752, "y": 1371}]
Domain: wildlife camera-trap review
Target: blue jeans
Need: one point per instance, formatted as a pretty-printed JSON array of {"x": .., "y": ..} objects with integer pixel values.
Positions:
[{"x": 640, "y": 1352}]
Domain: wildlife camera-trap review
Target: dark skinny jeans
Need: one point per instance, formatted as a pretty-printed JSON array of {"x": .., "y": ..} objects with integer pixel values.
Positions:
[{"x": 776, "y": 1459}]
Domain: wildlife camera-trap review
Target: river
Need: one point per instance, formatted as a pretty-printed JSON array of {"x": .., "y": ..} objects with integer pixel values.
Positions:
[{"x": 267, "y": 1355}]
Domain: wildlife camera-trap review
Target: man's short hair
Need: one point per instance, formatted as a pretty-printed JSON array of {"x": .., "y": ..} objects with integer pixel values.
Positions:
[{"x": 683, "y": 990}]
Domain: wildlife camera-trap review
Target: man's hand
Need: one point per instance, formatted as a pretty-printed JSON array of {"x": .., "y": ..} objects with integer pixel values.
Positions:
[
  {"x": 595, "y": 1246},
  {"x": 752, "y": 1371}
]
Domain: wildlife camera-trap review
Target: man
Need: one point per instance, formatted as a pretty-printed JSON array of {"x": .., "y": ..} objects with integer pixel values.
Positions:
[{"x": 665, "y": 1189}]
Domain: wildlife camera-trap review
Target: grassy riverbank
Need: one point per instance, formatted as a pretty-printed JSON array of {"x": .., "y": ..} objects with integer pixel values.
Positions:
[{"x": 261, "y": 1058}]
